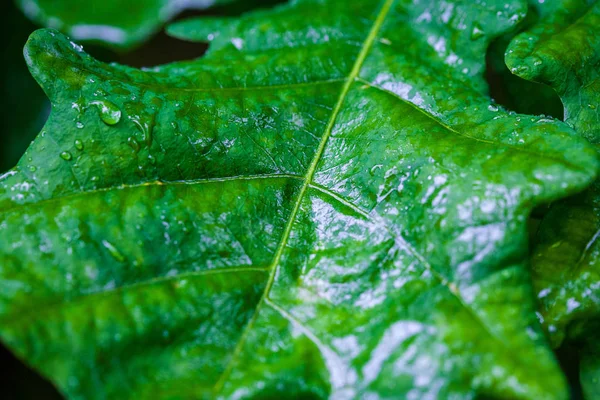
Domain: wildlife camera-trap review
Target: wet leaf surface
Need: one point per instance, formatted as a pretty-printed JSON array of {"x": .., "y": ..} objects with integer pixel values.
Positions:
[
  {"x": 563, "y": 51},
  {"x": 326, "y": 205}
]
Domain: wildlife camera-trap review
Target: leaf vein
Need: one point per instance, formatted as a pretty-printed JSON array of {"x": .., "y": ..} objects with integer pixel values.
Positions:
[
  {"x": 365, "y": 48},
  {"x": 454, "y": 131},
  {"x": 154, "y": 183},
  {"x": 24, "y": 314}
]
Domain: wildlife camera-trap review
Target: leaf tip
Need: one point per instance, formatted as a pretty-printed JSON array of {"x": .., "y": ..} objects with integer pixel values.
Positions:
[{"x": 50, "y": 56}]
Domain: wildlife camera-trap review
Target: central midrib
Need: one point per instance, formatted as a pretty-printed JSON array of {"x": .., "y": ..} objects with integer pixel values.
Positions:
[{"x": 365, "y": 48}]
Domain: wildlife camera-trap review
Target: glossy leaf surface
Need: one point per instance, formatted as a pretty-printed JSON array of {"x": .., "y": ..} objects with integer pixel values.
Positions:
[
  {"x": 117, "y": 23},
  {"x": 326, "y": 205},
  {"x": 563, "y": 51},
  {"x": 509, "y": 89}
]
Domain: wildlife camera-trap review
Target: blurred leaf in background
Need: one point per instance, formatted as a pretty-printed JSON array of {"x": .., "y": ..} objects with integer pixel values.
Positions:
[
  {"x": 118, "y": 24},
  {"x": 135, "y": 21}
]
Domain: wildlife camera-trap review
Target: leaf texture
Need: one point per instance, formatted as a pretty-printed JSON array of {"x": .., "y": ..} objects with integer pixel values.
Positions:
[
  {"x": 563, "y": 51},
  {"x": 326, "y": 205}
]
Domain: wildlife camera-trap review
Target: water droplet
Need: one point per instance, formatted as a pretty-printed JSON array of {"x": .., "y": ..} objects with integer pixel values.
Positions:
[
  {"x": 477, "y": 32},
  {"x": 65, "y": 155},
  {"x": 537, "y": 61},
  {"x": 493, "y": 108},
  {"x": 146, "y": 127},
  {"x": 238, "y": 43},
  {"x": 114, "y": 252},
  {"x": 175, "y": 127},
  {"x": 100, "y": 92},
  {"x": 592, "y": 106},
  {"x": 521, "y": 69},
  {"x": 375, "y": 168},
  {"x": 80, "y": 125},
  {"x": 109, "y": 112},
  {"x": 79, "y": 105},
  {"x": 151, "y": 159},
  {"x": 32, "y": 168},
  {"x": 78, "y": 144},
  {"x": 134, "y": 144}
]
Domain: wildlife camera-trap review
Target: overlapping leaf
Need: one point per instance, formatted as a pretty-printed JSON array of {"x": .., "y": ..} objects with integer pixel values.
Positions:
[
  {"x": 117, "y": 23},
  {"x": 326, "y": 205},
  {"x": 563, "y": 51}
]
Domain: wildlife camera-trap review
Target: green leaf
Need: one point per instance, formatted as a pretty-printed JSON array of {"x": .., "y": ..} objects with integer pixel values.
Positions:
[
  {"x": 326, "y": 205},
  {"x": 121, "y": 24},
  {"x": 508, "y": 89},
  {"x": 563, "y": 51}
]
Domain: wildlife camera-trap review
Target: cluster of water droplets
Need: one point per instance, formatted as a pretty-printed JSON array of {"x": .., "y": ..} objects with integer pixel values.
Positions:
[
  {"x": 134, "y": 109},
  {"x": 108, "y": 112}
]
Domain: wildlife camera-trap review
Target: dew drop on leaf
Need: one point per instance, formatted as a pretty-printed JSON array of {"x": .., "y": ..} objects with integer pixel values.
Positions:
[
  {"x": 477, "y": 32},
  {"x": 65, "y": 155},
  {"x": 146, "y": 127},
  {"x": 175, "y": 127},
  {"x": 114, "y": 252},
  {"x": 374, "y": 169},
  {"x": 78, "y": 144},
  {"x": 134, "y": 144},
  {"x": 109, "y": 112}
]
